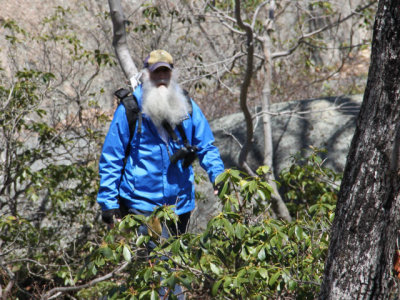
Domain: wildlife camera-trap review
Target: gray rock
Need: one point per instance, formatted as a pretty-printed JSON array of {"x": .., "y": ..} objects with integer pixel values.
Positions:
[{"x": 327, "y": 123}]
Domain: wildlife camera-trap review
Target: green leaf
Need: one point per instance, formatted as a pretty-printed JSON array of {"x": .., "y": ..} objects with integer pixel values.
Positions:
[
  {"x": 215, "y": 269},
  {"x": 215, "y": 287},
  {"x": 106, "y": 252},
  {"x": 235, "y": 174},
  {"x": 298, "y": 231},
  {"x": 261, "y": 254},
  {"x": 154, "y": 295},
  {"x": 263, "y": 273},
  {"x": 221, "y": 177},
  {"x": 274, "y": 277},
  {"x": 147, "y": 274},
  {"x": 175, "y": 247},
  {"x": 253, "y": 186},
  {"x": 227, "y": 282},
  {"x": 144, "y": 294},
  {"x": 93, "y": 269},
  {"x": 262, "y": 170},
  {"x": 126, "y": 253},
  {"x": 186, "y": 281},
  {"x": 227, "y": 226},
  {"x": 262, "y": 195},
  {"x": 141, "y": 239},
  {"x": 292, "y": 285},
  {"x": 239, "y": 231},
  {"x": 224, "y": 190}
]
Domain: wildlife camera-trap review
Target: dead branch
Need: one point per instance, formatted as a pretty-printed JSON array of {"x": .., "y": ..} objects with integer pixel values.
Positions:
[{"x": 60, "y": 290}]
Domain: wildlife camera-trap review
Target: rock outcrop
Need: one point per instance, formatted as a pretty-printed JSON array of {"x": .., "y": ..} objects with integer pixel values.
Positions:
[{"x": 327, "y": 123}]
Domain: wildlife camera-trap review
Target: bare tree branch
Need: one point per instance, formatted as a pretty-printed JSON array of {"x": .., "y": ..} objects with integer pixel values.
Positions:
[
  {"x": 4, "y": 293},
  {"x": 59, "y": 290},
  {"x": 300, "y": 114},
  {"x": 301, "y": 40},
  {"x": 253, "y": 23}
]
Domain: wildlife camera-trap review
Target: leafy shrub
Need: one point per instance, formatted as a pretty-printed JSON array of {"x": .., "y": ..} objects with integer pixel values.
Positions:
[
  {"x": 308, "y": 185},
  {"x": 242, "y": 254},
  {"x": 48, "y": 171}
]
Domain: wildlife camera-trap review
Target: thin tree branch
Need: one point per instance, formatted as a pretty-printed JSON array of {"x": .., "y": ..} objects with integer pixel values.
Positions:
[
  {"x": 59, "y": 290},
  {"x": 306, "y": 112},
  {"x": 232, "y": 28},
  {"x": 301, "y": 40},
  {"x": 253, "y": 23}
]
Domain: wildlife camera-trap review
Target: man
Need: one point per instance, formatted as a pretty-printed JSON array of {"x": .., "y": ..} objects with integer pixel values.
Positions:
[{"x": 153, "y": 175}]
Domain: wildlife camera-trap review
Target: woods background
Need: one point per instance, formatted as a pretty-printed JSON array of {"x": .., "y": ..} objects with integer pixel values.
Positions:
[{"x": 58, "y": 74}]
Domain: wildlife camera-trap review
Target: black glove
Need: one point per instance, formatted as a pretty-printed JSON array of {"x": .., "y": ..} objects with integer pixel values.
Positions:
[{"x": 109, "y": 215}]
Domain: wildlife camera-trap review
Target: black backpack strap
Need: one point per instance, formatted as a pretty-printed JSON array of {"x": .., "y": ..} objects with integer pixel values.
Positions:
[
  {"x": 183, "y": 135},
  {"x": 170, "y": 131},
  {"x": 132, "y": 112},
  {"x": 186, "y": 93},
  {"x": 131, "y": 109}
]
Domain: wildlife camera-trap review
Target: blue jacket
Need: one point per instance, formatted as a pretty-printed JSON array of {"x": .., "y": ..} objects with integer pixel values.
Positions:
[{"x": 149, "y": 179}]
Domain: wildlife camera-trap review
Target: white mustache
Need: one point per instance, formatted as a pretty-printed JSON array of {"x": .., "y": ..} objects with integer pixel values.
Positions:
[{"x": 161, "y": 81}]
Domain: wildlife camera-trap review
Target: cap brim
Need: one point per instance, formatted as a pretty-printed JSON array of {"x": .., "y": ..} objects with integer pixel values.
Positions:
[{"x": 155, "y": 66}]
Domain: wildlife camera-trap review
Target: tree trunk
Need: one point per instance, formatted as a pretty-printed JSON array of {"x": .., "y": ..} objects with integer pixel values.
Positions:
[
  {"x": 245, "y": 86},
  {"x": 367, "y": 222},
  {"x": 120, "y": 43},
  {"x": 277, "y": 204}
]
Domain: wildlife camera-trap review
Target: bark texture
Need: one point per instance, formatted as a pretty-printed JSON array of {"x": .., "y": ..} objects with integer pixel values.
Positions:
[
  {"x": 245, "y": 86},
  {"x": 367, "y": 222}
]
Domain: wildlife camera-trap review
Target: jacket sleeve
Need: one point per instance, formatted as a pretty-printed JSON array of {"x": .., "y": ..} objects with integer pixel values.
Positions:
[
  {"x": 203, "y": 138},
  {"x": 111, "y": 160}
]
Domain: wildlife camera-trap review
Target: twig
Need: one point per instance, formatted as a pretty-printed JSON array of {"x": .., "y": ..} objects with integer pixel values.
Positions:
[
  {"x": 305, "y": 112},
  {"x": 253, "y": 23},
  {"x": 60, "y": 290},
  {"x": 301, "y": 40},
  {"x": 245, "y": 165}
]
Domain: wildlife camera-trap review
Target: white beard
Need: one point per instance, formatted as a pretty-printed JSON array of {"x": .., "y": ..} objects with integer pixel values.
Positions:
[{"x": 164, "y": 103}]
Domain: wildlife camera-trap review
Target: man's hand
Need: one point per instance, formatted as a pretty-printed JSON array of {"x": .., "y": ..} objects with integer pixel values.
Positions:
[
  {"x": 217, "y": 188},
  {"x": 111, "y": 216},
  {"x": 111, "y": 226}
]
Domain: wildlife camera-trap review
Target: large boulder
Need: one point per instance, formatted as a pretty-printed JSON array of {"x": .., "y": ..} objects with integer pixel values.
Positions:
[{"x": 327, "y": 123}]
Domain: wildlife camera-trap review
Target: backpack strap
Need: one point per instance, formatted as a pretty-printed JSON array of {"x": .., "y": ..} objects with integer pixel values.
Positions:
[
  {"x": 131, "y": 109},
  {"x": 182, "y": 132},
  {"x": 133, "y": 114},
  {"x": 170, "y": 131},
  {"x": 187, "y": 97}
]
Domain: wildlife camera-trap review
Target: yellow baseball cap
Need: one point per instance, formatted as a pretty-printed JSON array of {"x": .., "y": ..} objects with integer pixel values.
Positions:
[{"x": 158, "y": 58}]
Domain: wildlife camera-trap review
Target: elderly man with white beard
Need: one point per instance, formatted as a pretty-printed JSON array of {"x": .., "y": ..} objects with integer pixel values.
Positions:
[{"x": 156, "y": 171}]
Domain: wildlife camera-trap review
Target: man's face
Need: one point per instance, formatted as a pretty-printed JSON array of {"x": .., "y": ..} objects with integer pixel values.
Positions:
[{"x": 161, "y": 76}]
